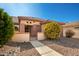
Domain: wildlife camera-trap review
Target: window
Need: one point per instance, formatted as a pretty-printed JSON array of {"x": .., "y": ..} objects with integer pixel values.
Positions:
[
  {"x": 27, "y": 22},
  {"x": 30, "y": 22}
]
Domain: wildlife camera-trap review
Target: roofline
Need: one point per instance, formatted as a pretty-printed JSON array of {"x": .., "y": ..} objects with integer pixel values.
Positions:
[{"x": 36, "y": 19}]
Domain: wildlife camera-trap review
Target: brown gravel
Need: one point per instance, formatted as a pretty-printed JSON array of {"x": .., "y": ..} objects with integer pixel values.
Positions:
[
  {"x": 65, "y": 46},
  {"x": 26, "y": 49}
]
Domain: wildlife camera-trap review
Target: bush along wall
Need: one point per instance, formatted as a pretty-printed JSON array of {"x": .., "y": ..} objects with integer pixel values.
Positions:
[
  {"x": 70, "y": 33},
  {"x": 6, "y": 27},
  {"x": 52, "y": 30}
]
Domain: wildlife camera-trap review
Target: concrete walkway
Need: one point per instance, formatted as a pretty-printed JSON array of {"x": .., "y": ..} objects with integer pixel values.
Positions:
[{"x": 44, "y": 50}]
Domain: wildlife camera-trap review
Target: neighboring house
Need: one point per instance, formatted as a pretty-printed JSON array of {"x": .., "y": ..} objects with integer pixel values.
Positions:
[
  {"x": 31, "y": 25},
  {"x": 72, "y": 26}
]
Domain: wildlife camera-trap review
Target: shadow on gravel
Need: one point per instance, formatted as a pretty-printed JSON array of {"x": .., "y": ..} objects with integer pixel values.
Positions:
[
  {"x": 23, "y": 46},
  {"x": 66, "y": 42},
  {"x": 69, "y": 42}
]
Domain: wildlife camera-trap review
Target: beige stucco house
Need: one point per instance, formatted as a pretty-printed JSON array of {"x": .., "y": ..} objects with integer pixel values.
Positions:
[{"x": 29, "y": 28}]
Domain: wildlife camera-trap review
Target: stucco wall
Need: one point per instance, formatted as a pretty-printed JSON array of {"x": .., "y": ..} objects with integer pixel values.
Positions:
[
  {"x": 25, "y": 37},
  {"x": 76, "y": 33},
  {"x": 72, "y": 28},
  {"x": 40, "y": 36},
  {"x": 26, "y": 22},
  {"x": 22, "y": 28}
]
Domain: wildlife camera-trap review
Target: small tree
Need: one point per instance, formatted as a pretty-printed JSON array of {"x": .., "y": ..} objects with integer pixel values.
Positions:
[
  {"x": 52, "y": 30},
  {"x": 6, "y": 27}
]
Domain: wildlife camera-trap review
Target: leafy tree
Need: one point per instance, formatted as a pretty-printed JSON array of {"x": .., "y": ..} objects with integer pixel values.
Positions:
[
  {"x": 52, "y": 30},
  {"x": 6, "y": 27}
]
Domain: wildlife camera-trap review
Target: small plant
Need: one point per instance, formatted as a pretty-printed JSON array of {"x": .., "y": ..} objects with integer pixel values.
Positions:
[
  {"x": 52, "y": 30},
  {"x": 69, "y": 33}
]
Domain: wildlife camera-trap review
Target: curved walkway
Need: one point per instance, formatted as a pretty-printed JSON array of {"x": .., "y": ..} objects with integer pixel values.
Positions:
[{"x": 44, "y": 50}]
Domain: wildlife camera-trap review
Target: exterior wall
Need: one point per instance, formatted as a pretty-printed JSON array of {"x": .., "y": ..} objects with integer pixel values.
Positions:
[
  {"x": 40, "y": 36},
  {"x": 21, "y": 37},
  {"x": 71, "y": 28},
  {"x": 28, "y": 22},
  {"x": 16, "y": 20},
  {"x": 22, "y": 28},
  {"x": 61, "y": 33},
  {"x": 76, "y": 33}
]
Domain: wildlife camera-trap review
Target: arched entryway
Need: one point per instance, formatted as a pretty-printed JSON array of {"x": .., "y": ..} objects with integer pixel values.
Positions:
[{"x": 33, "y": 30}]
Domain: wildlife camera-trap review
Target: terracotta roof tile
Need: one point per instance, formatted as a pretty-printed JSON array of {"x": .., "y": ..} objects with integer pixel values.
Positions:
[{"x": 37, "y": 19}]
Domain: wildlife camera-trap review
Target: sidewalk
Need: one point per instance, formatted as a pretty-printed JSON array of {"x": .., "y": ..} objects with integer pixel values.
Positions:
[{"x": 44, "y": 50}]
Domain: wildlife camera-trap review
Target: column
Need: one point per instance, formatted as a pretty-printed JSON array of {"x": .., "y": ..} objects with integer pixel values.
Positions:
[{"x": 22, "y": 28}]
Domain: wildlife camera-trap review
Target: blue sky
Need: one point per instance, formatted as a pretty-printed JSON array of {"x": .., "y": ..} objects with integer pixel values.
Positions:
[{"x": 59, "y": 12}]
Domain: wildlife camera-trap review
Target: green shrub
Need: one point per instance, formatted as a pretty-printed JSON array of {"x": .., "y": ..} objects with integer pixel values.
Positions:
[
  {"x": 69, "y": 33},
  {"x": 52, "y": 30},
  {"x": 6, "y": 27}
]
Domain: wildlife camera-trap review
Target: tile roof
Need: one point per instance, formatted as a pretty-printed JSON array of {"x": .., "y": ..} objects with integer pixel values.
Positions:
[{"x": 37, "y": 19}]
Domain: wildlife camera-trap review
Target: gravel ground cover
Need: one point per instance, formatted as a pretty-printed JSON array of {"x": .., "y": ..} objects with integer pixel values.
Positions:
[
  {"x": 65, "y": 46},
  {"x": 18, "y": 49}
]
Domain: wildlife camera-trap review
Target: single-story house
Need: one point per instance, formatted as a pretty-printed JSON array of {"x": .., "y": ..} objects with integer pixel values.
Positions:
[{"x": 30, "y": 27}]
